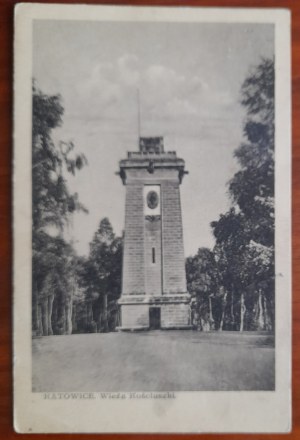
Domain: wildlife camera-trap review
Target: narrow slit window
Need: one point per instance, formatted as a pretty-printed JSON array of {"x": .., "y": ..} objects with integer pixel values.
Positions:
[{"x": 153, "y": 255}]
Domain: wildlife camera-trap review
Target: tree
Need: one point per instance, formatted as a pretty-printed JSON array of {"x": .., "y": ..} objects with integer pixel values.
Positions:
[
  {"x": 52, "y": 293},
  {"x": 252, "y": 188},
  {"x": 52, "y": 201},
  {"x": 202, "y": 284},
  {"x": 52, "y": 205},
  {"x": 98, "y": 283},
  {"x": 245, "y": 235},
  {"x": 231, "y": 237},
  {"x": 102, "y": 277}
]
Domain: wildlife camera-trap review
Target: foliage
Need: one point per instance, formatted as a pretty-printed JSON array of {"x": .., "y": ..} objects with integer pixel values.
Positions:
[
  {"x": 100, "y": 277},
  {"x": 252, "y": 188},
  {"x": 51, "y": 200},
  {"x": 203, "y": 284},
  {"x": 52, "y": 205},
  {"x": 244, "y": 249}
]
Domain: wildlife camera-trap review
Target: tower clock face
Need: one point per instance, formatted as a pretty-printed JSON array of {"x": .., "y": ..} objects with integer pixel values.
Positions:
[{"x": 152, "y": 199}]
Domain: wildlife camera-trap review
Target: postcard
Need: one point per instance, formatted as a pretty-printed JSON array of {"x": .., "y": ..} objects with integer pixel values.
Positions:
[{"x": 152, "y": 219}]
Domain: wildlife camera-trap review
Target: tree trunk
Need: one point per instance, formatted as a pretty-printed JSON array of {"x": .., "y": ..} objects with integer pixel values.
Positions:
[
  {"x": 211, "y": 319},
  {"x": 261, "y": 323},
  {"x": 50, "y": 307},
  {"x": 74, "y": 322},
  {"x": 231, "y": 309},
  {"x": 223, "y": 312},
  {"x": 35, "y": 311},
  {"x": 118, "y": 314},
  {"x": 90, "y": 318},
  {"x": 243, "y": 310},
  {"x": 87, "y": 316},
  {"x": 99, "y": 322},
  {"x": 68, "y": 315},
  {"x": 104, "y": 314},
  {"x": 45, "y": 320},
  {"x": 90, "y": 313},
  {"x": 62, "y": 319},
  {"x": 268, "y": 322},
  {"x": 116, "y": 320},
  {"x": 54, "y": 318},
  {"x": 39, "y": 317},
  {"x": 199, "y": 323}
]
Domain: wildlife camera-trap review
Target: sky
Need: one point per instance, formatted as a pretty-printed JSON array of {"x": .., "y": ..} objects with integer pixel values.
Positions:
[{"x": 189, "y": 77}]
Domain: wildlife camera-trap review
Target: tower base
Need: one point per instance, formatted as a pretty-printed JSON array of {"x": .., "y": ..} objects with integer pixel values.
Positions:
[{"x": 143, "y": 312}]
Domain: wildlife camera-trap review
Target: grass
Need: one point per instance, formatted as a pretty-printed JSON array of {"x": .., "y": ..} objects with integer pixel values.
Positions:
[{"x": 154, "y": 361}]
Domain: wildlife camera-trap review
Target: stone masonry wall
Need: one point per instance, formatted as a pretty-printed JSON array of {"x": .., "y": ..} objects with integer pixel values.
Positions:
[
  {"x": 153, "y": 270},
  {"x": 171, "y": 252},
  {"x": 174, "y": 277},
  {"x": 175, "y": 315},
  {"x": 133, "y": 257},
  {"x": 135, "y": 316}
]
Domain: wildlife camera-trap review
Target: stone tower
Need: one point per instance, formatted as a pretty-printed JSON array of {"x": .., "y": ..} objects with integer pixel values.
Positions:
[{"x": 154, "y": 293}]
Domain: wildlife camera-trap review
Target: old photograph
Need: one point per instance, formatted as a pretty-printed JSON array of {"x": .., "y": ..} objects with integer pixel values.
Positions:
[{"x": 153, "y": 215}]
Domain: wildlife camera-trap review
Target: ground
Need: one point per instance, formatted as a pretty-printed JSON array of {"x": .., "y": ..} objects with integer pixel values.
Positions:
[{"x": 154, "y": 361}]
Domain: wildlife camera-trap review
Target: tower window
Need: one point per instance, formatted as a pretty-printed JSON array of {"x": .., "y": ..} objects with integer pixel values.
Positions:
[{"x": 153, "y": 255}]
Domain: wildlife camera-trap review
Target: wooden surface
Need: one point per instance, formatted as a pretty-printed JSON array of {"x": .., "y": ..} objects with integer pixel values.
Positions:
[{"x": 6, "y": 39}]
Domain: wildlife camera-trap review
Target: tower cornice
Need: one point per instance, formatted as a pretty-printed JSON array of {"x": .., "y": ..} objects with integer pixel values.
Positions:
[{"x": 151, "y": 162}]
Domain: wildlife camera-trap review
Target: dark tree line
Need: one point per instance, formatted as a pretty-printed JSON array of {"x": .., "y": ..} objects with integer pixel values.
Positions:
[
  {"x": 69, "y": 293},
  {"x": 99, "y": 282},
  {"x": 233, "y": 285}
]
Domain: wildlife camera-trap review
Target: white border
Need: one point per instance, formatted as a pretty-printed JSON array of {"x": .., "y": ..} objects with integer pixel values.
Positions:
[{"x": 190, "y": 411}]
